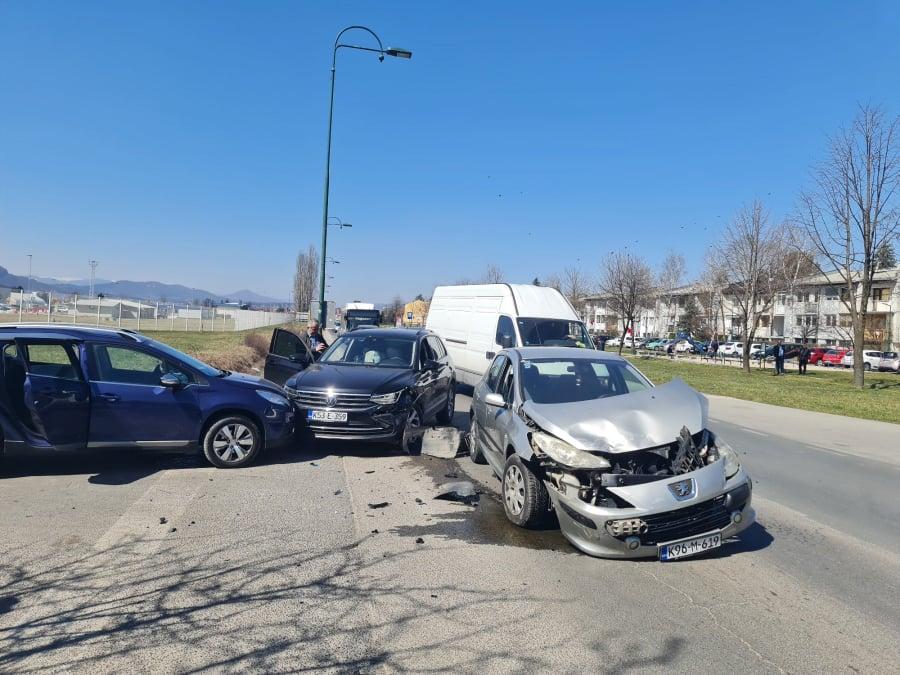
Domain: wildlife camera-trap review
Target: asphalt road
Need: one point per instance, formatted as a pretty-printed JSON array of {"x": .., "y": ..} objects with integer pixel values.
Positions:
[{"x": 114, "y": 563}]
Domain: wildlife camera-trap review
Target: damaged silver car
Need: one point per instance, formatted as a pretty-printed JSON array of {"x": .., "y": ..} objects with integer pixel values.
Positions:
[{"x": 630, "y": 469}]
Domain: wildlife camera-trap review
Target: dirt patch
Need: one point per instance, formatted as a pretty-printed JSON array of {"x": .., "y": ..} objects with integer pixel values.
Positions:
[{"x": 237, "y": 358}]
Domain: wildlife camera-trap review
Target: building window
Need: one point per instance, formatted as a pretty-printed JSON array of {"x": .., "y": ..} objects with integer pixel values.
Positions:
[
  {"x": 799, "y": 320},
  {"x": 879, "y": 293},
  {"x": 831, "y": 319}
]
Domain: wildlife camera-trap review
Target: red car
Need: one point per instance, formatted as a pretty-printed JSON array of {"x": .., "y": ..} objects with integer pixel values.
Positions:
[
  {"x": 833, "y": 357},
  {"x": 816, "y": 354}
]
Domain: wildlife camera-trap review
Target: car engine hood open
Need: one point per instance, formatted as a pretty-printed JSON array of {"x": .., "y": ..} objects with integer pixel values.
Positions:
[{"x": 637, "y": 421}]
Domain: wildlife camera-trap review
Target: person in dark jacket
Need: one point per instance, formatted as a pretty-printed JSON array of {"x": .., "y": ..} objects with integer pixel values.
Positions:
[
  {"x": 778, "y": 352},
  {"x": 314, "y": 339},
  {"x": 713, "y": 348},
  {"x": 803, "y": 358}
]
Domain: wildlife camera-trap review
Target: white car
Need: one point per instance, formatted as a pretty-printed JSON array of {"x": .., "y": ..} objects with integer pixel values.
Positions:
[
  {"x": 683, "y": 346},
  {"x": 614, "y": 342},
  {"x": 871, "y": 359},
  {"x": 731, "y": 349},
  {"x": 889, "y": 361}
]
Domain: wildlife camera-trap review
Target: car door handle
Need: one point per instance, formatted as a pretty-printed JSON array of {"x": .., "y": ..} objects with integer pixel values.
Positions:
[{"x": 112, "y": 398}]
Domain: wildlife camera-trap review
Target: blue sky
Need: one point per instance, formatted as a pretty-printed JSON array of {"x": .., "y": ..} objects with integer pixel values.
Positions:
[{"x": 185, "y": 141}]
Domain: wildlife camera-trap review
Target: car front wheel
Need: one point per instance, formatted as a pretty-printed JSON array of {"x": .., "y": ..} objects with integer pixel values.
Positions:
[
  {"x": 232, "y": 442},
  {"x": 411, "y": 436},
  {"x": 525, "y": 498},
  {"x": 475, "y": 452}
]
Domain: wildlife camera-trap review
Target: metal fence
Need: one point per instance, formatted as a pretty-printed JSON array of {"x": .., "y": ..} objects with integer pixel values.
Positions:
[{"x": 136, "y": 314}]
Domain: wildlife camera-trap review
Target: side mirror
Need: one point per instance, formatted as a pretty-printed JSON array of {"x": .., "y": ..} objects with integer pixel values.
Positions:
[
  {"x": 506, "y": 341},
  {"x": 430, "y": 364},
  {"x": 173, "y": 380},
  {"x": 495, "y": 400}
]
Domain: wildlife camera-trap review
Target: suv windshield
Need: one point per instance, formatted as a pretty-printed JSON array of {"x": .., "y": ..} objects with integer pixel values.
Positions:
[
  {"x": 553, "y": 332},
  {"x": 570, "y": 380},
  {"x": 371, "y": 350}
]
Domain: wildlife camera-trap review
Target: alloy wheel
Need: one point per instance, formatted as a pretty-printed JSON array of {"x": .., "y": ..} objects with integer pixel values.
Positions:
[
  {"x": 412, "y": 431},
  {"x": 233, "y": 442},
  {"x": 514, "y": 489}
]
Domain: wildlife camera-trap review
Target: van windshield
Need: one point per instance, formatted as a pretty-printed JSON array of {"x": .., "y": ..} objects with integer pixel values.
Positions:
[{"x": 553, "y": 333}]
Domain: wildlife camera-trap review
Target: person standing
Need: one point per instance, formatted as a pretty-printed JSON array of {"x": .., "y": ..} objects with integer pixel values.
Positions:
[
  {"x": 803, "y": 358},
  {"x": 314, "y": 339},
  {"x": 713, "y": 348},
  {"x": 779, "y": 358}
]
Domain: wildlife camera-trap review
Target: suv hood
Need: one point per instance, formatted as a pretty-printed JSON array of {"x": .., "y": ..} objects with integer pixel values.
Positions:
[
  {"x": 637, "y": 421},
  {"x": 352, "y": 379}
]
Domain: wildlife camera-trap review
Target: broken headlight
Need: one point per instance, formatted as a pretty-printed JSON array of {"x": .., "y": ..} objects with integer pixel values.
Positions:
[
  {"x": 727, "y": 453},
  {"x": 566, "y": 454}
]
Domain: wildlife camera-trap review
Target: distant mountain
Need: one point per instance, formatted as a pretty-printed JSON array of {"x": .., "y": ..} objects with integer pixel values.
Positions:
[
  {"x": 249, "y": 296},
  {"x": 134, "y": 290}
]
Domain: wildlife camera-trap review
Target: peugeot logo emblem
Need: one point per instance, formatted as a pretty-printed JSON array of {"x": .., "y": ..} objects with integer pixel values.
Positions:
[
  {"x": 683, "y": 489},
  {"x": 330, "y": 399}
]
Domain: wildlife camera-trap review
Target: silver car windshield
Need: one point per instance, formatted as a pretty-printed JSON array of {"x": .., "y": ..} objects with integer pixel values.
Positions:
[
  {"x": 571, "y": 380},
  {"x": 360, "y": 350},
  {"x": 553, "y": 332}
]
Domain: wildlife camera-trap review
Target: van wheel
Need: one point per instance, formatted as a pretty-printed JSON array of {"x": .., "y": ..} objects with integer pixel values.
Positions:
[
  {"x": 867, "y": 366},
  {"x": 525, "y": 498},
  {"x": 445, "y": 416},
  {"x": 232, "y": 442},
  {"x": 475, "y": 453}
]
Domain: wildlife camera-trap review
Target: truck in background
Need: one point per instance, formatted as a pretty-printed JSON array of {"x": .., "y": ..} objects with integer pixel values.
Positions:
[{"x": 358, "y": 314}]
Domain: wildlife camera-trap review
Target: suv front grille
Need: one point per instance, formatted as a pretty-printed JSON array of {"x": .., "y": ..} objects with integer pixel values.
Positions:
[{"x": 310, "y": 398}]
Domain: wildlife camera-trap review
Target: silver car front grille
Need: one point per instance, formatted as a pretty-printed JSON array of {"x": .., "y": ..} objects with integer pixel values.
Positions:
[{"x": 310, "y": 398}]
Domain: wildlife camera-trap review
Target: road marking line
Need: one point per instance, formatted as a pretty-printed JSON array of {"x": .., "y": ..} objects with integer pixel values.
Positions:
[{"x": 140, "y": 525}]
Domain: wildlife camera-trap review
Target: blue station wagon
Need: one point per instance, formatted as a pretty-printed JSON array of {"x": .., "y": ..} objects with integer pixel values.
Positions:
[{"x": 68, "y": 388}]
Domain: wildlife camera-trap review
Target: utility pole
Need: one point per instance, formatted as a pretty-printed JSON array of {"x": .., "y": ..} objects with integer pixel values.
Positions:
[
  {"x": 29, "y": 273},
  {"x": 93, "y": 264}
]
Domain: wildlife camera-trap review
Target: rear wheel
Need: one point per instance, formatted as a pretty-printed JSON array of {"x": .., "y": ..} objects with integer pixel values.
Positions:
[
  {"x": 232, "y": 442},
  {"x": 867, "y": 366},
  {"x": 525, "y": 498},
  {"x": 445, "y": 416}
]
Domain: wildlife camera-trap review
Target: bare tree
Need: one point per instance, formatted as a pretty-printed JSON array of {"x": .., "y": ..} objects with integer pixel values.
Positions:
[
  {"x": 670, "y": 277},
  {"x": 574, "y": 285},
  {"x": 627, "y": 283},
  {"x": 712, "y": 283},
  {"x": 853, "y": 210},
  {"x": 492, "y": 275},
  {"x": 750, "y": 251},
  {"x": 306, "y": 279}
]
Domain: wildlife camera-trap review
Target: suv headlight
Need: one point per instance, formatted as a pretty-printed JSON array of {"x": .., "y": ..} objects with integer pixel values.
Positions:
[
  {"x": 566, "y": 454},
  {"x": 272, "y": 397},
  {"x": 386, "y": 399},
  {"x": 729, "y": 454}
]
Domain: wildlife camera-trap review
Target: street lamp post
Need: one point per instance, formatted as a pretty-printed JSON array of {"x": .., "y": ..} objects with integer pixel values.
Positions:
[{"x": 381, "y": 51}]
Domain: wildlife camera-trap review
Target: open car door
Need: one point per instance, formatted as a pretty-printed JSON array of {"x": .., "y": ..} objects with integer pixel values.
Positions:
[
  {"x": 56, "y": 394},
  {"x": 287, "y": 356}
]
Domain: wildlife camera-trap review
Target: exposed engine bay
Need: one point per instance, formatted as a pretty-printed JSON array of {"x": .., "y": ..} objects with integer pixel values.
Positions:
[{"x": 687, "y": 453}]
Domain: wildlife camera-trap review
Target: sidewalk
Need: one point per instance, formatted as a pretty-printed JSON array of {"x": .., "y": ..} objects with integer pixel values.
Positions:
[{"x": 844, "y": 435}]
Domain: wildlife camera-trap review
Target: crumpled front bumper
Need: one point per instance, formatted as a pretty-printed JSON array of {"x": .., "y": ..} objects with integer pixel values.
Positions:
[{"x": 585, "y": 525}]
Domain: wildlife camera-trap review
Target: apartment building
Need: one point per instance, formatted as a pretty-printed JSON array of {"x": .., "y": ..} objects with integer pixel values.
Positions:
[{"x": 813, "y": 312}]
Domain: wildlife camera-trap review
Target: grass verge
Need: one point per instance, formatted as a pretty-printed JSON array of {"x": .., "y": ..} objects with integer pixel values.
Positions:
[
  {"x": 239, "y": 351},
  {"x": 820, "y": 390}
]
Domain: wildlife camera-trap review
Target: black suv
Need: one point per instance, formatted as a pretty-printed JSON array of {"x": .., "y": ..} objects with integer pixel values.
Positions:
[{"x": 376, "y": 384}]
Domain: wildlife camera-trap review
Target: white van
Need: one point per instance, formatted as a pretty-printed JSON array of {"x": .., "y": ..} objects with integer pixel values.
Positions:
[{"x": 475, "y": 322}]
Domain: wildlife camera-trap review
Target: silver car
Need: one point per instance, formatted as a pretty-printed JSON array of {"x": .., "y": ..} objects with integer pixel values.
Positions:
[{"x": 630, "y": 469}]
